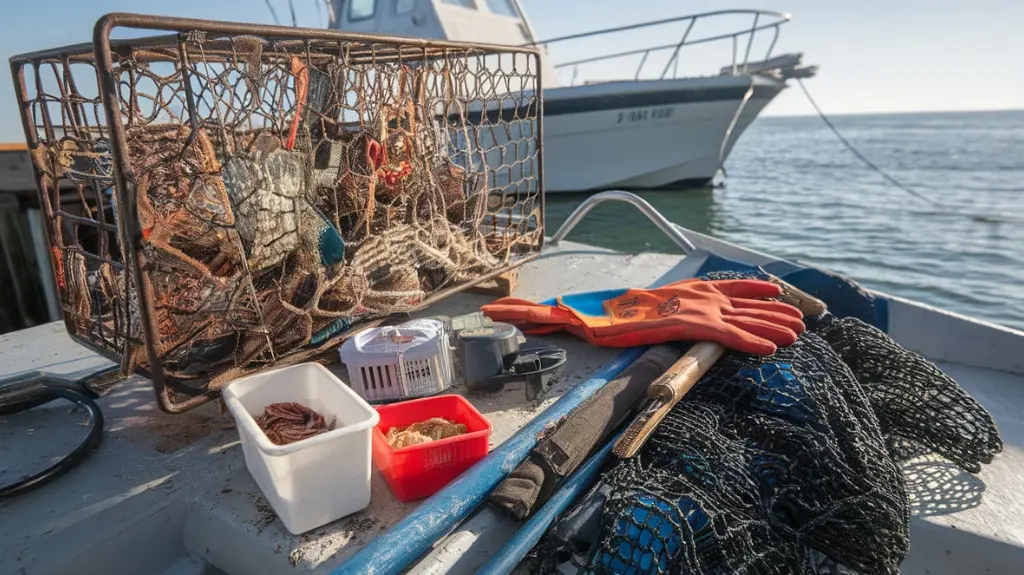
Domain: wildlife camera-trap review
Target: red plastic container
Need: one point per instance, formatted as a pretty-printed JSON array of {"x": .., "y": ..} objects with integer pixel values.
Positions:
[{"x": 420, "y": 470}]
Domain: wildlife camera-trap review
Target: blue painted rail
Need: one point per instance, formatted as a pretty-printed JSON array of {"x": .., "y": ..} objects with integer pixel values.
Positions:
[{"x": 414, "y": 535}]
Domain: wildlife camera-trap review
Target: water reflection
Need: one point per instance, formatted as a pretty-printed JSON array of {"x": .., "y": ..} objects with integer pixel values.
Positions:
[
  {"x": 795, "y": 192},
  {"x": 620, "y": 226}
]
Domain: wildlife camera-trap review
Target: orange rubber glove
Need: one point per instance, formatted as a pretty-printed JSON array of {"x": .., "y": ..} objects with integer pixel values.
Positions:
[{"x": 728, "y": 312}]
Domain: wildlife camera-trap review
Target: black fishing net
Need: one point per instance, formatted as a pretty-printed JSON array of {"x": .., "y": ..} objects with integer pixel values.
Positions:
[
  {"x": 780, "y": 464},
  {"x": 919, "y": 408}
]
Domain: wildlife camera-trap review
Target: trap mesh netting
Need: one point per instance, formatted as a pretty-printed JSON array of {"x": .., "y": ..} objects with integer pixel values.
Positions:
[
  {"x": 777, "y": 465},
  {"x": 231, "y": 196}
]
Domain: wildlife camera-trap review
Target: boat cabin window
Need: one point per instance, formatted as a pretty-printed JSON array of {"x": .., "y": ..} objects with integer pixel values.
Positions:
[
  {"x": 464, "y": 3},
  {"x": 503, "y": 8},
  {"x": 361, "y": 10},
  {"x": 403, "y": 7}
]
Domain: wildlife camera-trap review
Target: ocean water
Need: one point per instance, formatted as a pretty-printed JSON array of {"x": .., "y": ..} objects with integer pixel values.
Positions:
[{"x": 794, "y": 191}]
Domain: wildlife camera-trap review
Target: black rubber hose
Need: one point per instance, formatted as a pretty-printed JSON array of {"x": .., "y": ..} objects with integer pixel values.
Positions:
[{"x": 90, "y": 443}]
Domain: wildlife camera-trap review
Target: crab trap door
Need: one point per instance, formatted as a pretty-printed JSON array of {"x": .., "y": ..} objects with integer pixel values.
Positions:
[
  {"x": 277, "y": 187},
  {"x": 69, "y": 145}
]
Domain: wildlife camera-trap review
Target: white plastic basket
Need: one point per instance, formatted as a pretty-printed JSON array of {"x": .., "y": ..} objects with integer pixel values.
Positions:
[
  {"x": 399, "y": 362},
  {"x": 316, "y": 480}
]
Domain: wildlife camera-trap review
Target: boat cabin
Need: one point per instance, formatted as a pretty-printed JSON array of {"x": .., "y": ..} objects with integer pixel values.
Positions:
[{"x": 483, "y": 21}]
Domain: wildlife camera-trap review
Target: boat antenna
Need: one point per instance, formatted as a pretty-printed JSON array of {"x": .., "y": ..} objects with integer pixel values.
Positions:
[
  {"x": 892, "y": 180},
  {"x": 273, "y": 13},
  {"x": 330, "y": 12},
  {"x": 332, "y": 20}
]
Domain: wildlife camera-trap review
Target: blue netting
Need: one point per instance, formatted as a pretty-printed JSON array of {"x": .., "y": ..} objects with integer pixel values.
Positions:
[
  {"x": 779, "y": 392},
  {"x": 648, "y": 535}
]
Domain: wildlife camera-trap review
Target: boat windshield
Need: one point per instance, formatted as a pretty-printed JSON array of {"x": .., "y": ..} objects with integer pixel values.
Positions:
[{"x": 503, "y": 8}]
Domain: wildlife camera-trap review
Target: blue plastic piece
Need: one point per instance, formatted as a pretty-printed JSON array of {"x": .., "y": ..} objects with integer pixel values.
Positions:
[
  {"x": 530, "y": 533},
  {"x": 843, "y": 296},
  {"x": 586, "y": 303},
  {"x": 591, "y": 303},
  {"x": 414, "y": 535}
]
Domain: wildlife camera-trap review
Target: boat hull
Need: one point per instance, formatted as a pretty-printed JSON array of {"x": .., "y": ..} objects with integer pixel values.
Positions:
[{"x": 646, "y": 135}]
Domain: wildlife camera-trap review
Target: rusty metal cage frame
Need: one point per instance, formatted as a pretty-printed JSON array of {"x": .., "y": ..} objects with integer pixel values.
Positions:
[{"x": 121, "y": 343}]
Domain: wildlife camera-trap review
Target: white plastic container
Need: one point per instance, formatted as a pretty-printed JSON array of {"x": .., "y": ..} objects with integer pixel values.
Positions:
[
  {"x": 317, "y": 480},
  {"x": 399, "y": 362}
]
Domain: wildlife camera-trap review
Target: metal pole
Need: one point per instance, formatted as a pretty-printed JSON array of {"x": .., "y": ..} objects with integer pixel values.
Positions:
[
  {"x": 634, "y": 200},
  {"x": 37, "y": 227},
  {"x": 531, "y": 532},
  {"x": 675, "y": 55},
  {"x": 750, "y": 42}
]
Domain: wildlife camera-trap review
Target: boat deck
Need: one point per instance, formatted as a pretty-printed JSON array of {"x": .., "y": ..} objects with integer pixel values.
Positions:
[{"x": 170, "y": 493}]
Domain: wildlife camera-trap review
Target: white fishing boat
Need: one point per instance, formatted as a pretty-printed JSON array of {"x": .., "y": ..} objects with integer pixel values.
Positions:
[
  {"x": 170, "y": 494},
  {"x": 655, "y": 129}
]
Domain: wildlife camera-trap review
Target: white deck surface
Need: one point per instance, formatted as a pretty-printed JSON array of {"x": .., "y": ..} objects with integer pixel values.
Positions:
[{"x": 168, "y": 494}]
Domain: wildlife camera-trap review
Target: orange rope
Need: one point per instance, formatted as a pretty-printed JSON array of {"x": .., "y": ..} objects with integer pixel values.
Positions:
[{"x": 301, "y": 72}]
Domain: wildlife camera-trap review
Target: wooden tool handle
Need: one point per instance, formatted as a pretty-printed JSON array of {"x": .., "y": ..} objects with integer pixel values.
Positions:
[
  {"x": 798, "y": 298},
  {"x": 667, "y": 391},
  {"x": 683, "y": 375}
]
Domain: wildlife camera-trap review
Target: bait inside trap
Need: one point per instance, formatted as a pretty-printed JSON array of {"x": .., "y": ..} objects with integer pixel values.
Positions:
[{"x": 228, "y": 197}]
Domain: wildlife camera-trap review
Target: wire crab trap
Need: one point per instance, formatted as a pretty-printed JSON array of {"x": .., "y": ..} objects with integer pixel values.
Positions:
[{"x": 229, "y": 197}]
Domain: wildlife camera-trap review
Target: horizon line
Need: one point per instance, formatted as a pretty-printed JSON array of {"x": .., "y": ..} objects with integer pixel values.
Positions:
[{"x": 812, "y": 113}]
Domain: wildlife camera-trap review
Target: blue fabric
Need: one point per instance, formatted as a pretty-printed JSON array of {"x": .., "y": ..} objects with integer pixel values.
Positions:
[
  {"x": 842, "y": 295},
  {"x": 330, "y": 242}
]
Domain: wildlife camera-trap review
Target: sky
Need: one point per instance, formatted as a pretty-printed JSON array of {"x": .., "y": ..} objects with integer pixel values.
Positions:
[{"x": 875, "y": 56}]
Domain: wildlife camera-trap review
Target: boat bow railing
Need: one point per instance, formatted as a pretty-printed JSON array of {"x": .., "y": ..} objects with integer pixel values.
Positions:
[
  {"x": 673, "y": 231},
  {"x": 761, "y": 21}
]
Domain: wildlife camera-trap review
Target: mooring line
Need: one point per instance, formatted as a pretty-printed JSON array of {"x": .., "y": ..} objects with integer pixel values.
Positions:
[{"x": 949, "y": 210}]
